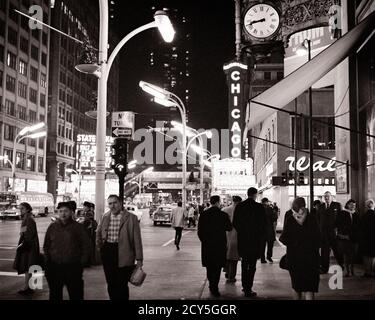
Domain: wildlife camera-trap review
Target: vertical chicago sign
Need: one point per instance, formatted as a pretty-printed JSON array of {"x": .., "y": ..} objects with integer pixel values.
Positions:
[{"x": 236, "y": 73}]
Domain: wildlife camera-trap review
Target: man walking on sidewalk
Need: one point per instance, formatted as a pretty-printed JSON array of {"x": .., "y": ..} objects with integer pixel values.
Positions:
[
  {"x": 327, "y": 215},
  {"x": 270, "y": 236},
  {"x": 67, "y": 251},
  {"x": 119, "y": 240},
  {"x": 177, "y": 221},
  {"x": 250, "y": 223},
  {"x": 212, "y": 227}
]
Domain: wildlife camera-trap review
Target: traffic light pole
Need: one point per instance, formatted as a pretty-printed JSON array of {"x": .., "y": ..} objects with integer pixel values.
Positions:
[
  {"x": 121, "y": 181},
  {"x": 120, "y": 163}
]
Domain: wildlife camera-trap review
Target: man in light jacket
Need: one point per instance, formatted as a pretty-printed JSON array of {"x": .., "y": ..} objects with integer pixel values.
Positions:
[
  {"x": 119, "y": 240},
  {"x": 178, "y": 215}
]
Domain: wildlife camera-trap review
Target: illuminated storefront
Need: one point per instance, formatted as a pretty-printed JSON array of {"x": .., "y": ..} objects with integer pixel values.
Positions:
[{"x": 232, "y": 177}]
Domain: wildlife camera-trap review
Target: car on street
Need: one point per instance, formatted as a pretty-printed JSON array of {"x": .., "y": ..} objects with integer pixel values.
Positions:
[
  {"x": 152, "y": 209},
  {"x": 163, "y": 214},
  {"x": 134, "y": 210}
]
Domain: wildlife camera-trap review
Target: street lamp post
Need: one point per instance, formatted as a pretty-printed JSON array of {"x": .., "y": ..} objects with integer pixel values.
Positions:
[
  {"x": 169, "y": 99},
  {"x": 201, "y": 155},
  {"x": 194, "y": 134},
  {"x": 101, "y": 70},
  {"x": 26, "y": 132}
]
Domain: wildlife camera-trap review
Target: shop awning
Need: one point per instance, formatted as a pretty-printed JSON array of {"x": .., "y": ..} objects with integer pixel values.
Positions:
[{"x": 303, "y": 78}]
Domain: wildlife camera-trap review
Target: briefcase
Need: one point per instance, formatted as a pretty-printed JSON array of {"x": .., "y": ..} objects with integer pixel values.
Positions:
[{"x": 137, "y": 277}]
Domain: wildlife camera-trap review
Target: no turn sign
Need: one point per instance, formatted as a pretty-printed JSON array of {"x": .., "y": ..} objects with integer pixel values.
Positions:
[{"x": 123, "y": 124}]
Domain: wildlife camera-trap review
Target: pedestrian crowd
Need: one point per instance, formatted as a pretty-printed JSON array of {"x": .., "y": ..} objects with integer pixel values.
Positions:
[{"x": 244, "y": 231}]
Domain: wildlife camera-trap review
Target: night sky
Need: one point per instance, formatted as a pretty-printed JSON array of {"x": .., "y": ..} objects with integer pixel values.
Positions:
[{"x": 213, "y": 33}]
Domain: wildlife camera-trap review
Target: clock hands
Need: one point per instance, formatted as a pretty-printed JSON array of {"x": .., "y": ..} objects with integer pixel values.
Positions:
[{"x": 256, "y": 21}]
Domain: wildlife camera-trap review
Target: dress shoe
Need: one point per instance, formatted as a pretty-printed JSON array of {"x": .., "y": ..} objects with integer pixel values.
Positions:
[
  {"x": 231, "y": 280},
  {"x": 178, "y": 247},
  {"x": 250, "y": 294},
  {"x": 215, "y": 293},
  {"x": 26, "y": 292},
  {"x": 263, "y": 261},
  {"x": 270, "y": 260}
]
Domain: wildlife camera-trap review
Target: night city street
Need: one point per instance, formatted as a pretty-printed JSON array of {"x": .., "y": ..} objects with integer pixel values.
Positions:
[
  {"x": 164, "y": 151},
  {"x": 172, "y": 274}
]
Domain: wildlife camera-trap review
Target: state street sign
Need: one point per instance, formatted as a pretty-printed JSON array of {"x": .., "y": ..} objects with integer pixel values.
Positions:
[{"x": 123, "y": 124}]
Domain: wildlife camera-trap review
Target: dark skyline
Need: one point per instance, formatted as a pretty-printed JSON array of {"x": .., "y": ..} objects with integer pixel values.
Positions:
[{"x": 212, "y": 24}]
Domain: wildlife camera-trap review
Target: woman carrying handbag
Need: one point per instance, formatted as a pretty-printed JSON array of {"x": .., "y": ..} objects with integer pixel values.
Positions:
[{"x": 28, "y": 253}]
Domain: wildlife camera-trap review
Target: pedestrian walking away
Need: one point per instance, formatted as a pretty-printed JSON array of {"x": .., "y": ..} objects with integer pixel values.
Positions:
[
  {"x": 212, "y": 227},
  {"x": 119, "y": 240},
  {"x": 327, "y": 215},
  {"x": 348, "y": 227},
  {"x": 67, "y": 252},
  {"x": 301, "y": 236},
  {"x": 232, "y": 245},
  {"x": 250, "y": 223},
  {"x": 177, "y": 220},
  {"x": 367, "y": 244},
  {"x": 27, "y": 253},
  {"x": 270, "y": 235},
  {"x": 90, "y": 226}
]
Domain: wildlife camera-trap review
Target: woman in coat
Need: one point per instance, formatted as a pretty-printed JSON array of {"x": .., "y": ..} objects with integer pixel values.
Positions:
[
  {"x": 302, "y": 239},
  {"x": 348, "y": 231},
  {"x": 28, "y": 253},
  {"x": 232, "y": 250},
  {"x": 368, "y": 239}
]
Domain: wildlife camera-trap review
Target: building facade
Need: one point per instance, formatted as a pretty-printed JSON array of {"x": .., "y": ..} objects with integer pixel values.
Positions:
[
  {"x": 24, "y": 63},
  {"x": 72, "y": 94}
]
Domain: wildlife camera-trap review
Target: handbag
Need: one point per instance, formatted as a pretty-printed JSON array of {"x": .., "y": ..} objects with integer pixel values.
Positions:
[
  {"x": 138, "y": 277},
  {"x": 284, "y": 263}
]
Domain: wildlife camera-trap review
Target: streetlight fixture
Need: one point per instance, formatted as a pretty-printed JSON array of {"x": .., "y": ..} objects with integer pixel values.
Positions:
[
  {"x": 101, "y": 70},
  {"x": 132, "y": 164},
  {"x": 79, "y": 174},
  {"x": 194, "y": 134},
  {"x": 305, "y": 48},
  {"x": 169, "y": 99},
  {"x": 26, "y": 132}
]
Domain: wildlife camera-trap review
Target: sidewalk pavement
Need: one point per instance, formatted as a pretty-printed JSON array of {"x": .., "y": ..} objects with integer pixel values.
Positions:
[{"x": 183, "y": 278}]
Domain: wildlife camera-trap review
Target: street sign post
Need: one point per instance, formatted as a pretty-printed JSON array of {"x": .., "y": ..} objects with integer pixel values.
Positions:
[{"x": 123, "y": 124}]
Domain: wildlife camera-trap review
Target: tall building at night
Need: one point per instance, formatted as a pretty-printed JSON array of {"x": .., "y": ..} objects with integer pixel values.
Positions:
[
  {"x": 71, "y": 93},
  {"x": 24, "y": 60},
  {"x": 171, "y": 64}
]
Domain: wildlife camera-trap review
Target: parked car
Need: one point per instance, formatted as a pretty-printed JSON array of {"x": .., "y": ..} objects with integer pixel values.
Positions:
[
  {"x": 152, "y": 209},
  {"x": 163, "y": 214},
  {"x": 134, "y": 210}
]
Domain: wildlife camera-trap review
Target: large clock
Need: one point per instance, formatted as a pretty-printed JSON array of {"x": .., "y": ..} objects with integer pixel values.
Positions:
[{"x": 261, "y": 21}]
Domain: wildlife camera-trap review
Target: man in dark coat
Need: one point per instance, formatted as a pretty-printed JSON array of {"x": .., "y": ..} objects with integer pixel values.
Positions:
[
  {"x": 250, "y": 222},
  {"x": 327, "y": 215},
  {"x": 270, "y": 235},
  {"x": 212, "y": 227},
  {"x": 67, "y": 252}
]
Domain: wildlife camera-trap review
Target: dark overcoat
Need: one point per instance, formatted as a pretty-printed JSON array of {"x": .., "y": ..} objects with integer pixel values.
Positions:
[
  {"x": 212, "y": 227},
  {"x": 28, "y": 252},
  {"x": 250, "y": 221},
  {"x": 302, "y": 253}
]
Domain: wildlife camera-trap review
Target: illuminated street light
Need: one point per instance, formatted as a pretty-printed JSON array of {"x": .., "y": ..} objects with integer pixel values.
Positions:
[
  {"x": 26, "y": 132},
  {"x": 171, "y": 100}
]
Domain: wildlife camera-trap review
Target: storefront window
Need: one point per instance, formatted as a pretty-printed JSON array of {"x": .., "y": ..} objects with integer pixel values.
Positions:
[{"x": 323, "y": 134}]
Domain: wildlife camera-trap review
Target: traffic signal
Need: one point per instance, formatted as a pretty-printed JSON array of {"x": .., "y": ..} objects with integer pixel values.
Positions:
[
  {"x": 120, "y": 156},
  {"x": 284, "y": 178}
]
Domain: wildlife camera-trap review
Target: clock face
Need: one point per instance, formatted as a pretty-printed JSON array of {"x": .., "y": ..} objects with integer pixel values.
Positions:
[{"x": 261, "y": 21}]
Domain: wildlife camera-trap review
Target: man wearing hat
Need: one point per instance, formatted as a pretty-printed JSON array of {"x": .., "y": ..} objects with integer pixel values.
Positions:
[
  {"x": 250, "y": 223},
  {"x": 270, "y": 235}
]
